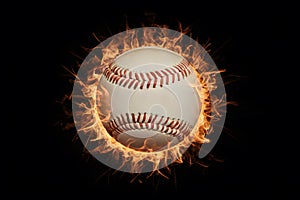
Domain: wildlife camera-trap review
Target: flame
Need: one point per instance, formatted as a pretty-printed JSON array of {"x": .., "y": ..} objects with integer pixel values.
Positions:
[{"x": 89, "y": 118}]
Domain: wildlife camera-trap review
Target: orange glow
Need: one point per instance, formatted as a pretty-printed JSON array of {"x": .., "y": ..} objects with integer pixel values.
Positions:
[{"x": 90, "y": 118}]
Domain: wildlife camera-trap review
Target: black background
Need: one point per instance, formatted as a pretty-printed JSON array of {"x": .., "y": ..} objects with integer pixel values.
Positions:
[{"x": 251, "y": 41}]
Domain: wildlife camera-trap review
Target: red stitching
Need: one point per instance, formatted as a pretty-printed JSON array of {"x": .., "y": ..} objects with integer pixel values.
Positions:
[
  {"x": 121, "y": 80},
  {"x": 166, "y": 125},
  {"x": 138, "y": 118},
  {"x": 149, "y": 80},
  {"x": 155, "y": 79},
  {"x": 175, "y": 73},
  {"x": 133, "y": 118},
  {"x": 125, "y": 78},
  {"x": 144, "y": 118},
  {"x": 130, "y": 75},
  {"x": 167, "y": 77},
  {"x": 131, "y": 83}
]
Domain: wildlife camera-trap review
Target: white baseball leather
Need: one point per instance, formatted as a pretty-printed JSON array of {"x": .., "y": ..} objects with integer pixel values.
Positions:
[{"x": 149, "y": 93}]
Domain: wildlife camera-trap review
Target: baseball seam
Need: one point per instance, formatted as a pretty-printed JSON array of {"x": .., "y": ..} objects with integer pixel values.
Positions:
[
  {"x": 126, "y": 78},
  {"x": 147, "y": 121}
]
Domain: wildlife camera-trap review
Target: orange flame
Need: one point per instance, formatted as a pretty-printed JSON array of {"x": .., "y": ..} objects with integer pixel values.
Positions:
[{"x": 90, "y": 118}]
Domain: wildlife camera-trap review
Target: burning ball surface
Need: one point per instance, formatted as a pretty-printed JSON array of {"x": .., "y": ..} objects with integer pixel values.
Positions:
[
  {"x": 148, "y": 98},
  {"x": 142, "y": 97}
]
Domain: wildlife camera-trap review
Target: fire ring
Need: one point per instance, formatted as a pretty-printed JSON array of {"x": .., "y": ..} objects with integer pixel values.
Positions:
[{"x": 89, "y": 120}]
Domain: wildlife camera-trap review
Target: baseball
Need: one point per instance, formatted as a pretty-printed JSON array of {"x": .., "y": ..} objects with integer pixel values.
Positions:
[{"x": 148, "y": 98}]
